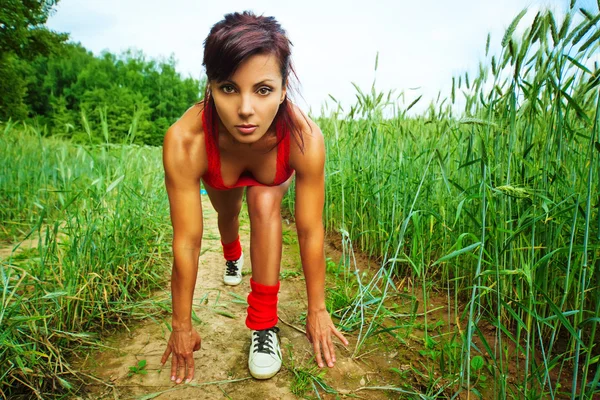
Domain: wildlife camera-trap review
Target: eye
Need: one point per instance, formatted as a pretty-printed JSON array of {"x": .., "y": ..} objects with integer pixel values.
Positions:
[
  {"x": 264, "y": 90},
  {"x": 227, "y": 89}
]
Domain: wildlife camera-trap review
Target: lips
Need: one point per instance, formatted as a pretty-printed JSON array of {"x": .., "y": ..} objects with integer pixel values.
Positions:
[{"x": 246, "y": 129}]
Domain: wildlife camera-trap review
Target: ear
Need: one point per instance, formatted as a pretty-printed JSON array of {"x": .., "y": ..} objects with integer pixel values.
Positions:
[{"x": 283, "y": 93}]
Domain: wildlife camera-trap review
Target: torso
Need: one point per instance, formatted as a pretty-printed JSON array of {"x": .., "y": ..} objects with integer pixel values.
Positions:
[{"x": 258, "y": 161}]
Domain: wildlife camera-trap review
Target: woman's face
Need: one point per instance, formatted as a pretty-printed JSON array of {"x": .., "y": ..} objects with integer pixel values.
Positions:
[{"x": 248, "y": 101}]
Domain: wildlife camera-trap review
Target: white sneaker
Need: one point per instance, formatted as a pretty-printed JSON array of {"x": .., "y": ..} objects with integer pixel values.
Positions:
[
  {"x": 233, "y": 271},
  {"x": 265, "y": 355}
]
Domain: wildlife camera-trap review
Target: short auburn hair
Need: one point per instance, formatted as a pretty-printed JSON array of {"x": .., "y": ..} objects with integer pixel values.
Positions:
[{"x": 239, "y": 36}]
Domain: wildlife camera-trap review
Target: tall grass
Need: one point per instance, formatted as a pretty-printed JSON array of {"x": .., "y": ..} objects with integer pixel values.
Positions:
[
  {"x": 497, "y": 204},
  {"x": 495, "y": 207},
  {"x": 99, "y": 216}
]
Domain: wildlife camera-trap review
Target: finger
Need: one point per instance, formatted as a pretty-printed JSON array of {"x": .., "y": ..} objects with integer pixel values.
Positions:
[
  {"x": 173, "y": 367},
  {"x": 331, "y": 350},
  {"x": 166, "y": 355},
  {"x": 326, "y": 352},
  {"x": 340, "y": 336},
  {"x": 181, "y": 373},
  {"x": 316, "y": 347},
  {"x": 190, "y": 368},
  {"x": 198, "y": 345}
]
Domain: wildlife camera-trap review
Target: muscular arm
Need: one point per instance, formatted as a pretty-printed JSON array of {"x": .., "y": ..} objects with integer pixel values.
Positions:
[
  {"x": 310, "y": 198},
  {"x": 183, "y": 169}
]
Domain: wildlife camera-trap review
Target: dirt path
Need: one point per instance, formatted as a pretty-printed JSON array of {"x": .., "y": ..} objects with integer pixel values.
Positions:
[{"x": 221, "y": 364}]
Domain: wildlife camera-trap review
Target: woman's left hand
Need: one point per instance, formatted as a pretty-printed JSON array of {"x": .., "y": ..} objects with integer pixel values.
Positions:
[{"x": 319, "y": 328}]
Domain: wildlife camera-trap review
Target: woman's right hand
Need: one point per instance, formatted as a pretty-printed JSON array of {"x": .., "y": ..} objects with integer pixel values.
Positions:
[{"x": 182, "y": 344}]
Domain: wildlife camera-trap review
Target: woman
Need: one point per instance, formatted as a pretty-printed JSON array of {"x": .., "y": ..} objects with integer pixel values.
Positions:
[{"x": 241, "y": 136}]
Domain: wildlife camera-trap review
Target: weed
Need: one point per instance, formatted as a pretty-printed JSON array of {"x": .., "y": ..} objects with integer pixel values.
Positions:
[
  {"x": 138, "y": 369},
  {"x": 284, "y": 274},
  {"x": 306, "y": 379}
]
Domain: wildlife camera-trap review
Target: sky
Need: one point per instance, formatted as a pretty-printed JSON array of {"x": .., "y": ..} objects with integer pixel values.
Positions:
[{"x": 421, "y": 44}]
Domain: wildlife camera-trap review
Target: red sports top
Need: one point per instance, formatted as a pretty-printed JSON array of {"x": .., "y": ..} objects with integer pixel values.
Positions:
[{"x": 213, "y": 177}]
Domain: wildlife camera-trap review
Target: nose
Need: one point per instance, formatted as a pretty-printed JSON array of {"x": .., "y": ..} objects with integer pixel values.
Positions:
[{"x": 246, "y": 108}]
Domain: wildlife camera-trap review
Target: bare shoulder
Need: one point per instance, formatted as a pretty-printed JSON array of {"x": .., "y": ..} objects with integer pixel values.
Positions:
[
  {"x": 313, "y": 153},
  {"x": 184, "y": 153}
]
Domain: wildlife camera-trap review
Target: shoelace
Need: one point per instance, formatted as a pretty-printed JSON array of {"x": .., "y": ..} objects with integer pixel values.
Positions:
[
  {"x": 232, "y": 268},
  {"x": 263, "y": 340}
]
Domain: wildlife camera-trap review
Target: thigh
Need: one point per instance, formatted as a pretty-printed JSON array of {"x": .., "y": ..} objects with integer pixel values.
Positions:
[
  {"x": 266, "y": 195},
  {"x": 225, "y": 201}
]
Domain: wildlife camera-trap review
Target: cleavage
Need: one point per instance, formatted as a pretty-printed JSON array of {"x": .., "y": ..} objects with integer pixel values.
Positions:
[{"x": 261, "y": 166}]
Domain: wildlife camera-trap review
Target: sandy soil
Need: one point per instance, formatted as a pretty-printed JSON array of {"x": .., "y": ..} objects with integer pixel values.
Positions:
[
  {"x": 6, "y": 251},
  {"x": 221, "y": 364}
]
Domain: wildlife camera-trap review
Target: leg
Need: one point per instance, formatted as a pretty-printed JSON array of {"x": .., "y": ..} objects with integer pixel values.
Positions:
[
  {"x": 264, "y": 208},
  {"x": 228, "y": 204}
]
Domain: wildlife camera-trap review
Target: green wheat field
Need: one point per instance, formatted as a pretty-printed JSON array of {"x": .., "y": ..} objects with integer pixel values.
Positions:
[{"x": 488, "y": 201}]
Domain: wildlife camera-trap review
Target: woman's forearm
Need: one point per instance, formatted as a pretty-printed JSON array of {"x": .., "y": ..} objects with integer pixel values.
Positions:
[
  {"x": 313, "y": 264},
  {"x": 183, "y": 282}
]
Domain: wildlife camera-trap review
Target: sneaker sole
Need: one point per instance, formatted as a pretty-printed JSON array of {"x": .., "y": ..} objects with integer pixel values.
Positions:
[{"x": 264, "y": 376}]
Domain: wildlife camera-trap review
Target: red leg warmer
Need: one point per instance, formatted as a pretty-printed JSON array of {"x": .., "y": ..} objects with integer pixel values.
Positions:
[
  {"x": 232, "y": 251},
  {"x": 262, "y": 306}
]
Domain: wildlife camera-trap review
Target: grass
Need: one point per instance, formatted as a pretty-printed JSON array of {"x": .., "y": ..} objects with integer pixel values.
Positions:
[
  {"x": 495, "y": 205},
  {"x": 482, "y": 214},
  {"x": 307, "y": 380},
  {"x": 98, "y": 218}
]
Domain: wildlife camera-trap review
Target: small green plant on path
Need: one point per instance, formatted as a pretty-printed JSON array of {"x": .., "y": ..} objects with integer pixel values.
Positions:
[
  {"x": 288, "y": 274},
  {"x": 138, "y": 369}
]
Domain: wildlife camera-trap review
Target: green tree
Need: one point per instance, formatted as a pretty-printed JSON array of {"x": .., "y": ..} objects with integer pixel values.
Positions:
[
  {"x": 23, "y": 36},
  {"x": 55, "y": 76},
  {"x": 22, "y": 30},
  {"x": 118, "y": 106},
  {"x": 13, "y": 88},
  {"x": 124, "y": 97}
]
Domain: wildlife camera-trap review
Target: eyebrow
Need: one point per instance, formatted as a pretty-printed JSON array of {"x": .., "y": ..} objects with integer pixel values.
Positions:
[{"x": 255, "y": 85}]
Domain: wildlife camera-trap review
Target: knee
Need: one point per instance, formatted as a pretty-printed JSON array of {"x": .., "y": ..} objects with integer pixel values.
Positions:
[
  {"x": 263, "y": 205},
  {"x": 231, "y": 212}
]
